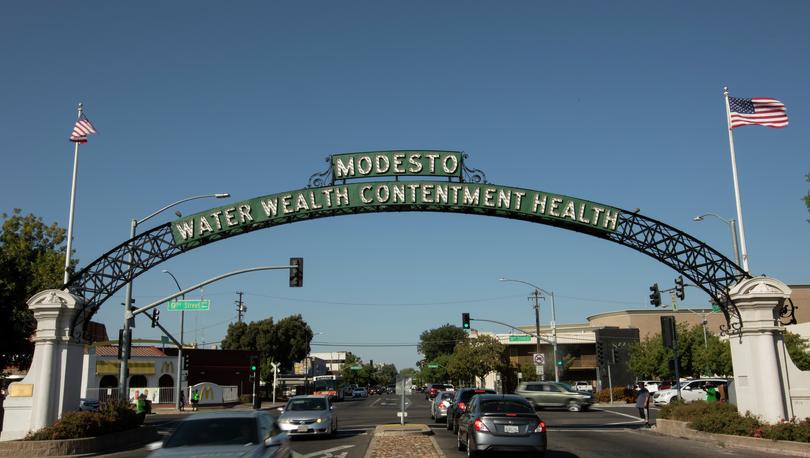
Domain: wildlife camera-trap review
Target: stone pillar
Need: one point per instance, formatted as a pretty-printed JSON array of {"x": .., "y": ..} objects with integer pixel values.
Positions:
[
  {"x": 754, "y": 352},
  {"x": 53, "y": 382}
]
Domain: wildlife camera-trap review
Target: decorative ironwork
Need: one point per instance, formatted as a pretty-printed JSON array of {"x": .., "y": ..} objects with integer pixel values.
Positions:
[
  {"x": 788, "y": 311},
  {"x": 103, "y": 277},
  {"x": 707, "y": 268},
  {"x": 472, "y": 175},
  {"x": 704, "y": 266},
  {"x": 324, "y": 178}
]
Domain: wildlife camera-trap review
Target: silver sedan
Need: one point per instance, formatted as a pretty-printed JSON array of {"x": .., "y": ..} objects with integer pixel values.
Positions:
[
  {"x": 308, "y": 415},
  {"x": 439, "y": 404}
]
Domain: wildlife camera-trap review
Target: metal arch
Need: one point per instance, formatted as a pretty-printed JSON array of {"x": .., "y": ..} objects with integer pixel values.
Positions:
[
  {"x": 707, "y": 268},
  {"x": 111, "y": 271}
]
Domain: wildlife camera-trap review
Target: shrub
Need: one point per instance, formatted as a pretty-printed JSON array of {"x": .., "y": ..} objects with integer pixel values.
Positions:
[
  {"x": 677, "y": 410},
  {"x": 619, "y": 394},
  {"x": 246, "y": 398},
  {"x": 723, "y": 418},
  {"x": 112, "y": 417},
  {"x": 795, "y": 430}
]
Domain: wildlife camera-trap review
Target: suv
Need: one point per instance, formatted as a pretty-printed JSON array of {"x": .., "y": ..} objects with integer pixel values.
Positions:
[
  {"x": 555, "y": 394},
  {"x": 694, "y": 390},
  {"x": 459, "y": 403}
]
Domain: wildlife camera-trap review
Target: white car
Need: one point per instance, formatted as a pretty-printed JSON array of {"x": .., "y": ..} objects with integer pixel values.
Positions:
[
  {"x": 693, "y": 390},
  {"x": 360, "y": 392},
  {"x": 583, "y": 386},
  {"x": 651, "y": 385}
]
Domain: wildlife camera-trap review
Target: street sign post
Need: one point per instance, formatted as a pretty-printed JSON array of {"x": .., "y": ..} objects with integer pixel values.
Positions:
[
  {"x": 356, "y": 368},
  {"x": 538, "y": 370},
  {"x": 539, "y": 359},
  {"x": 519, "y": 338},
  {"x": 189, "y": 305},
  {"x": 433, "y": 366}
]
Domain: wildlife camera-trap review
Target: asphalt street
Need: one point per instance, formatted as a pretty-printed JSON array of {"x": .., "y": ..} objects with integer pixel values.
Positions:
[{"x": 614, "y": 431}]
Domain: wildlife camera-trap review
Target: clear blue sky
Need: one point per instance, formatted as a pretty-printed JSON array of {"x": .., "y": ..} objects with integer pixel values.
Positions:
[{"x": 619, "y": 103}]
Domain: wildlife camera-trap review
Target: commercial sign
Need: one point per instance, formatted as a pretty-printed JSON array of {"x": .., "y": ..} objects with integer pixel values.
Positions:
[
  {"x": 397, "y": 163},
  {"x": 360, "y": 197},
  {"x": 201, "y": 305}
]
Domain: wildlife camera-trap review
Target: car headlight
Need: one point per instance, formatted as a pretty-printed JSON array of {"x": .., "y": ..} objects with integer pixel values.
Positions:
[
  {"x": 283, "y": 420},
  {"x": 320, "y": 420}
]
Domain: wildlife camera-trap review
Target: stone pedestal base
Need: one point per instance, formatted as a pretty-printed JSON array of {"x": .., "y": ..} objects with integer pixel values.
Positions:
[{"x": 53, "y": 383}]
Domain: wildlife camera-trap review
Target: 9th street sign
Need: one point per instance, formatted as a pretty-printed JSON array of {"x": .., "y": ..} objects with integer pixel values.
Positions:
[{"x": 201, "y": 305}]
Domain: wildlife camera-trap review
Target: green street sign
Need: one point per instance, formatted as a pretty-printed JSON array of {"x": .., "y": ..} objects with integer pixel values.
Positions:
[
  {"x": 200, "y": 305},
  {"x": 164, "y": 340},
  {"x": 716, "y": 308},
  {"x": 520, "y": 338},
  {"x": 433, "y": 366},
  {"x": 356, "y": 368}
]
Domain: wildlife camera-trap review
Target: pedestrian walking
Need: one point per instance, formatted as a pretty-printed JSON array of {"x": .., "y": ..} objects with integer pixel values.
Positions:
[
  {"x": 140, "y": 408},
  {"x": 182, "y": 400},
  {"x": 643, "y": 404},
  {"x": 195, "y": 399}
]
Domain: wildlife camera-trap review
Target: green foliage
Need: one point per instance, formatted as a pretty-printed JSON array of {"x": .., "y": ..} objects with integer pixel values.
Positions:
[
  {"x": 354, "y": 376},
  {"x": 385, "y": 375},
  {"x": 799, "y": 350},
  {"x": 440, "y": 341},
  {"x": 32, "y": 258},
  {"x": 619, "y": 395},
  {"x": 112, "y": 417},
  {"x": 474, "y": 358},
  {"x": 284, "y": 342},
  {"x": 528, "y": 372},
  {"x": 696, "y": 357},
  {"x": 796, "y": 430},
  {"x": 437, "y": 374}
]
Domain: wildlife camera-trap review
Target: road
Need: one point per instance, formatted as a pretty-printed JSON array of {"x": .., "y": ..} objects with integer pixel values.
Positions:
[{"x": 607, "y": 432}]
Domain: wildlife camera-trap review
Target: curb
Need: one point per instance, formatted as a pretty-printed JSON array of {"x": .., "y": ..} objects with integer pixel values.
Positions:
[{"x": 680, "y": 429}]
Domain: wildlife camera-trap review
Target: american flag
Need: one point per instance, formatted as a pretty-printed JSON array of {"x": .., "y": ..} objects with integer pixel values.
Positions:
[
  {"x": 758, "y": 110},
  {"x": 81, "y": 130}
]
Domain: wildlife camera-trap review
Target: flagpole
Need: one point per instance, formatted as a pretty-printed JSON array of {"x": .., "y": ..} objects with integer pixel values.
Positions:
[
  {"x": 736, "y": 183},
  {"x": 72, "y": 204}
]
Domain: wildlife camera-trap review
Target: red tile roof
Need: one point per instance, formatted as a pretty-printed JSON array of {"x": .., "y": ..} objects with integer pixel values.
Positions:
[{"x": 112, "y": 350}]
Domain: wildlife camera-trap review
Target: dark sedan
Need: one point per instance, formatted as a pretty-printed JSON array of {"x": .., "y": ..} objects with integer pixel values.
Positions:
[
  {"x": 501, "y": 423},
  {"x": 460, "y": 400}
]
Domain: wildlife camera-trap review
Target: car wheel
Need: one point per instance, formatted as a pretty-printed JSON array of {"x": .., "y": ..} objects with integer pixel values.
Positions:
[
  {"x": 573, "y": 406},
  {"x": 459, "y": 444}
]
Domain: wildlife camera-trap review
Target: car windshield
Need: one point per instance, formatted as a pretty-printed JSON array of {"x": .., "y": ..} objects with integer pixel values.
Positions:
[
  {"x": 505, "y": 406},
  {"x": 214, "y": 431},
  {"x": 307, "y": 404},
  {"x": 565, "y": 386}
]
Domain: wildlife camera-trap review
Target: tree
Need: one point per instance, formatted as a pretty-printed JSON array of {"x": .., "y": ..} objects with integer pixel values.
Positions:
[
  {"x": 293, "y": 336},
  {"x": 475, "y": 358},
  {"x": 386, "y": 375},
  {"x": 284, "y": 342},
  {"x": 799, "y": 350},
  {"x": 353, "y": 376},
  {"x": 32, "y": 259},
  {"x": 439, "y": 373},
  {"x": 439, "y": 341},
  {"x": 696, "y": 357}
]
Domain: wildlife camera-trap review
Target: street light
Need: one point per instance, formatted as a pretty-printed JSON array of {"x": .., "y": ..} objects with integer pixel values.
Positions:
[
  {"x": 179, "y": 349},
  {"x": 732, "y": 224},
  {"x": 537, "y": 321},
  {"x": 125, "y": 340}
]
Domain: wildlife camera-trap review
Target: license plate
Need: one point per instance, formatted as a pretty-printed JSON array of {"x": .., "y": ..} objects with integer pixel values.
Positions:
[
  {"x": 511, "y": 429},
  {"x": 302, "y": 429}
]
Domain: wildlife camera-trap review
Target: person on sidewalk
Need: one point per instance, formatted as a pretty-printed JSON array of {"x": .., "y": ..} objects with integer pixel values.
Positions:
[
  {"x": 140, "y": 408},
  {"x": 182, "y": 400},
  {"x": 643, "y": 404},
  {"x": 195, "y": 399}
]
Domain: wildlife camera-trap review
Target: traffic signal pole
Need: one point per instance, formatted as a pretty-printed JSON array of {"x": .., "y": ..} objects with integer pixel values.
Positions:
[{"x": 536, "y": 296}]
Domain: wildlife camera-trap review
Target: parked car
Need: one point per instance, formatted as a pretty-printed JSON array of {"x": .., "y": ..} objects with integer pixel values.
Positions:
[
  {"x": 438, "y": 408},
  {"x": 460, "y": 400},
  {"x": 651, "y": 385},
  {"x": 583, "y": 386},
  {"x": 693, "y": 390},
  {"x": 359, "y": 392},
  {"x": 497, "y": 423},
  {"x": 555, "y": 394},
  {"x": 308, "y": 415},
  {"x": 88, "y": 405},
  {"x": 435, "y": 388},
  {"x": 233, "y": 433}
]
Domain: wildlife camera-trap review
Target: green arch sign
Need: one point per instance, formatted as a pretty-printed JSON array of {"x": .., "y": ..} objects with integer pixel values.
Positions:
[{"x": 449, "y": 193}]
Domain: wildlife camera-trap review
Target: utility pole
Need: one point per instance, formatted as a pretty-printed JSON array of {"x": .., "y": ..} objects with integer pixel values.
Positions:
[
  {"x": 536, "y": 296},
  {"x": 240, "y": 306}
]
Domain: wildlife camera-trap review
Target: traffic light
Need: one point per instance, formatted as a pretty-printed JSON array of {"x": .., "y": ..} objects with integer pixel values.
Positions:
[
  {"x": 296, "y": 272},
  {"x": 254, "y": 364},
  {"x": 465, "y": 321},
  {"x": 186, "y": 361},
  {"x": 668, "y": 331},
  {"x": 679, "y": 288},
  {"x": 155, "y": 316},
  {"x": 655, "y": 295},
  {"x": 600, "y": 354}
]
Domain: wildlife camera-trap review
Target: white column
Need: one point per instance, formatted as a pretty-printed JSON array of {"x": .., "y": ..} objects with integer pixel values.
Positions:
[
  {"x": 53, "y": 382},
  {"x": 754, "y": 353}
]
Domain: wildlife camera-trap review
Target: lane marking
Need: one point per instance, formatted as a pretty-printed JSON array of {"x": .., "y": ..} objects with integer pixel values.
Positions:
[
  {"x": 328, "y": 453},
  {"x": 634, "y": 417}
]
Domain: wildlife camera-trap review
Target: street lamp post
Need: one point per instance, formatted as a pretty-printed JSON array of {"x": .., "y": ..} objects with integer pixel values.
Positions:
[
  {"x": 536, "y": 294},
  {"x": 179, "y": 349},
  {"x": 125, "y": 340},
  {"x": 732, "y": 224}
]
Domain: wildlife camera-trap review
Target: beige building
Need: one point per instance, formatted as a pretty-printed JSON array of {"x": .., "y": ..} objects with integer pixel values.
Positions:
[{"x": 648, "y": 322}]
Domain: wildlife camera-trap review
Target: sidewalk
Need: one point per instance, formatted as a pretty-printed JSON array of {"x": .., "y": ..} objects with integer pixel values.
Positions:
[{"x": 165, "y": 409}]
